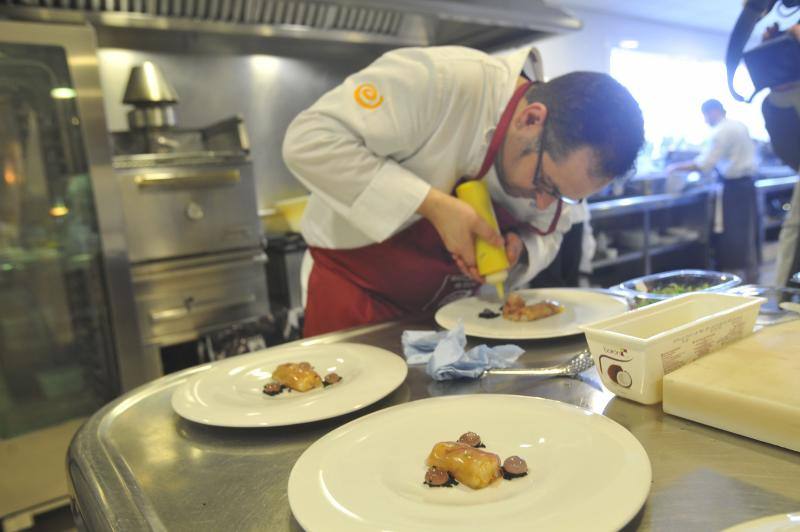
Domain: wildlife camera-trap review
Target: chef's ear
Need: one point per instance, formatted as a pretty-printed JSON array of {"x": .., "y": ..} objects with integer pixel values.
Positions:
[{"x": 531, "y": 115}]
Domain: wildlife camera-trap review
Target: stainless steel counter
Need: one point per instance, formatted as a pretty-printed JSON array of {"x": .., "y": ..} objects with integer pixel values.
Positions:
[{"x": 136, "y": 465}]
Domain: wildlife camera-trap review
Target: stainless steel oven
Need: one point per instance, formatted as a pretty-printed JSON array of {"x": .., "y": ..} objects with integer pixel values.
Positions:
[
  {"x": 178, "y": 300},
  {"x": 191, "y": 219},
  {"x": 190, "y": 209}
]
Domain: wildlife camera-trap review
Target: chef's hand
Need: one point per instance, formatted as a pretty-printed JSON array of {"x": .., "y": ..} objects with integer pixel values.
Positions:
[
  {"x": 514, "y": 249},
  {"x": 458, "y": 225},
  {"x": 685, "y": 166}
]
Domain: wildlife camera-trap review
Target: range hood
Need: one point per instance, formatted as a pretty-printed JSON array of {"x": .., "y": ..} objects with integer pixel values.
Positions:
[{"x": 485, "y": 24}]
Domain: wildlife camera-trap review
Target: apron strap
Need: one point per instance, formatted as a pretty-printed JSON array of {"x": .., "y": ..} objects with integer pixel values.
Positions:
[
  {"x": 494, "y": 147},
  {"x": 501, "y": 129}
]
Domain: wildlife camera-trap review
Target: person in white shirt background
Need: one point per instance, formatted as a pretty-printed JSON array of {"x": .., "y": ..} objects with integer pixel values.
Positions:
[
  {"x": 731, "y": 153},
  {"x": 382, "y": 153}
]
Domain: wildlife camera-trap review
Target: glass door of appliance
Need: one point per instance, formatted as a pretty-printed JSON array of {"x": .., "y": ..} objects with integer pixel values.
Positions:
[{"x": 56, "y": 347}]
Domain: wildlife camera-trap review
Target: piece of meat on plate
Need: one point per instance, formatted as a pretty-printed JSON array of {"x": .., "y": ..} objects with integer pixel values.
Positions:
[
  {"x": 300, "y": 377},
  {"x": 515, "y": 309},
  {"x": 473, "y": 467}
]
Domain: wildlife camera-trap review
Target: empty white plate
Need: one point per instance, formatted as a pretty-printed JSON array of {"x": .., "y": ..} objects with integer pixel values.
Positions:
[
  {"x": 773, "y": 523},
  {"x": 580, "y": 307},
  {"x": 229, "y": 394},
  {"x": 586, "y": 471}
]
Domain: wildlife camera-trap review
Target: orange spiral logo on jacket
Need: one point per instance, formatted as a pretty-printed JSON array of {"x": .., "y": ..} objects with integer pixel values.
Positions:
[{"x": 367, "y": 96}]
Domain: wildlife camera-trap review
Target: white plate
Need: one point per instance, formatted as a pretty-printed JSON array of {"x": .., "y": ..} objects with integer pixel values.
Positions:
[
  {"x": 586, "y": 471},
  {"x": 580, "y": 307},
  {"x": 230, "y": 393},
  {"x": 773, "y": 523}
]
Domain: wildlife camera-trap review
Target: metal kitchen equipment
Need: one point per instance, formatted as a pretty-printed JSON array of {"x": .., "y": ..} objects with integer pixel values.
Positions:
[
  {"x": 285, "y": 254},
  {"x": 305, "y": 24},
  {"x": 191, "y": 219},
  {"x": 152, "y": 97},
  {"x": 772, "y": 311},
  {"x": 572, "y": 367},
  {"x": 68, "y": 340}
]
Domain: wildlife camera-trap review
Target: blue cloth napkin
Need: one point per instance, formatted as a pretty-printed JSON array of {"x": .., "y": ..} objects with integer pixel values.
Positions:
[{"x": 444, "y": 354}]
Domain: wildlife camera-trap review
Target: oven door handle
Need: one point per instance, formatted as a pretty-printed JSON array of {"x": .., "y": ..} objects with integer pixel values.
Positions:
[
  {"x": 189, "y": 179},
  {"x": 202, "y": 268},
  {"x": 190, "y": 305}
]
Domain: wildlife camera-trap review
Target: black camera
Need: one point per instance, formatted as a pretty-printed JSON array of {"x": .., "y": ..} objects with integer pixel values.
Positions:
[{"x": 772, "y": 63}]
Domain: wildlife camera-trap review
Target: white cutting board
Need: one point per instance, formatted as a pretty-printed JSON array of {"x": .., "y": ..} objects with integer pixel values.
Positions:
[{"x": 751, "y": 387}]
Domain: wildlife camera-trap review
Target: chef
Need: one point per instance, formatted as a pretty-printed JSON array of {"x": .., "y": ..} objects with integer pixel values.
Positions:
[
  {"x": 383, "y": 151},
  {"x": 732, "y": 154}
]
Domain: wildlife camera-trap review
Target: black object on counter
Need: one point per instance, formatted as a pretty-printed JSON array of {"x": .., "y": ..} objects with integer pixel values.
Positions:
[{"x": 285, "y": 256}]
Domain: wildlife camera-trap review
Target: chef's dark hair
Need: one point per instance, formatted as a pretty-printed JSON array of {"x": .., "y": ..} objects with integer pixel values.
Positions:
[
  {"x": 591, "y": 109},
  {"x": 711, "y": 105}
]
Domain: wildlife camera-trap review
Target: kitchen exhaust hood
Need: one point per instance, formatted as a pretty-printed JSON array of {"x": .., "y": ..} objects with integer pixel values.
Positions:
[{"x": 485, "y": 24}]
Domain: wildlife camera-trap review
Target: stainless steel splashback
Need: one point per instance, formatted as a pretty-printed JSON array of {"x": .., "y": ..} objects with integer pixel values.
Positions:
[{"x": 268, "y": 91}]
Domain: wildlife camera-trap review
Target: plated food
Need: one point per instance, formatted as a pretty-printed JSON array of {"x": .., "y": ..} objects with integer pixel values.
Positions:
[
  {"x": 230, "y": 393},
  {"x": 516, "y": 309},
  {"x": 587, "y": 472},
  {"x": 553, "y": 313},
  {"x": 464, "y": 461},
  {"x": 299, "y": 377}
]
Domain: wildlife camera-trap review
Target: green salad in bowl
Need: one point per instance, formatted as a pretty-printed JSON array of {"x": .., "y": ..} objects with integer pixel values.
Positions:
[{"x": 660, "y": 286}]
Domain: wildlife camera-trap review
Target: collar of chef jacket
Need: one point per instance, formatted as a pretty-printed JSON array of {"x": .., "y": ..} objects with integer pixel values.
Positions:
[{"x": 528, "y": 62}]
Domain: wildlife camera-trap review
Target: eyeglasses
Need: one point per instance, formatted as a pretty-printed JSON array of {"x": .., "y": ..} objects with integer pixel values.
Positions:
[{"x": 548, "y": 187}]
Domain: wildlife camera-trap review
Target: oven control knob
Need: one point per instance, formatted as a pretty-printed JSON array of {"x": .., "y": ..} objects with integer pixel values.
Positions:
[{"x": 194, "y": 211}]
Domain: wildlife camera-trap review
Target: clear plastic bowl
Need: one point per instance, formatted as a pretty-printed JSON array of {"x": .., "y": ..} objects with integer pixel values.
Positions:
[{"x": 648, "y": 289}]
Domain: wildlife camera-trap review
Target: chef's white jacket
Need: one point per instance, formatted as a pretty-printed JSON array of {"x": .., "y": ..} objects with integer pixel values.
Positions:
[
  {"x": 370, "y": 149},
  {"x": 730, "y": 150}
]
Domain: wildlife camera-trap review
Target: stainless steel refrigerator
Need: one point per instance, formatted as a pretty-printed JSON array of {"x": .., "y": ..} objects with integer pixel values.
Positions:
[{"x": 68, "y": 332}]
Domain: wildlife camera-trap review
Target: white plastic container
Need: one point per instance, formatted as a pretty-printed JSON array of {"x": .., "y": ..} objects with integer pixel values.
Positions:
[{"x": 635, "y": 350}]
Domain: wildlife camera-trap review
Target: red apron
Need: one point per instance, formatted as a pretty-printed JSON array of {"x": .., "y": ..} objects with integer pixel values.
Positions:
[{"x": 408, "y": 273}]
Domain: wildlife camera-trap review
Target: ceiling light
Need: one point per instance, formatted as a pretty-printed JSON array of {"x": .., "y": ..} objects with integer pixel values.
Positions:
[
  {"x": 63, "y": 93},
  {"x": 629, "y": 44}
]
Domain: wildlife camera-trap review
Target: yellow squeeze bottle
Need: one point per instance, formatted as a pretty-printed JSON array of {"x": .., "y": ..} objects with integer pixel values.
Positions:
[{"x": 492, "y": 260}]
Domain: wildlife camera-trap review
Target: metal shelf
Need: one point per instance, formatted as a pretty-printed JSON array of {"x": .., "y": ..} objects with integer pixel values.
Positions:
[
  {"x": 666, "y": 248},
  {"x": 777, "y": 183},
  {"x": 635, "y": 255},
  {"x": 625, "y": 257},
  {"x": 641, "y": 204}
]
